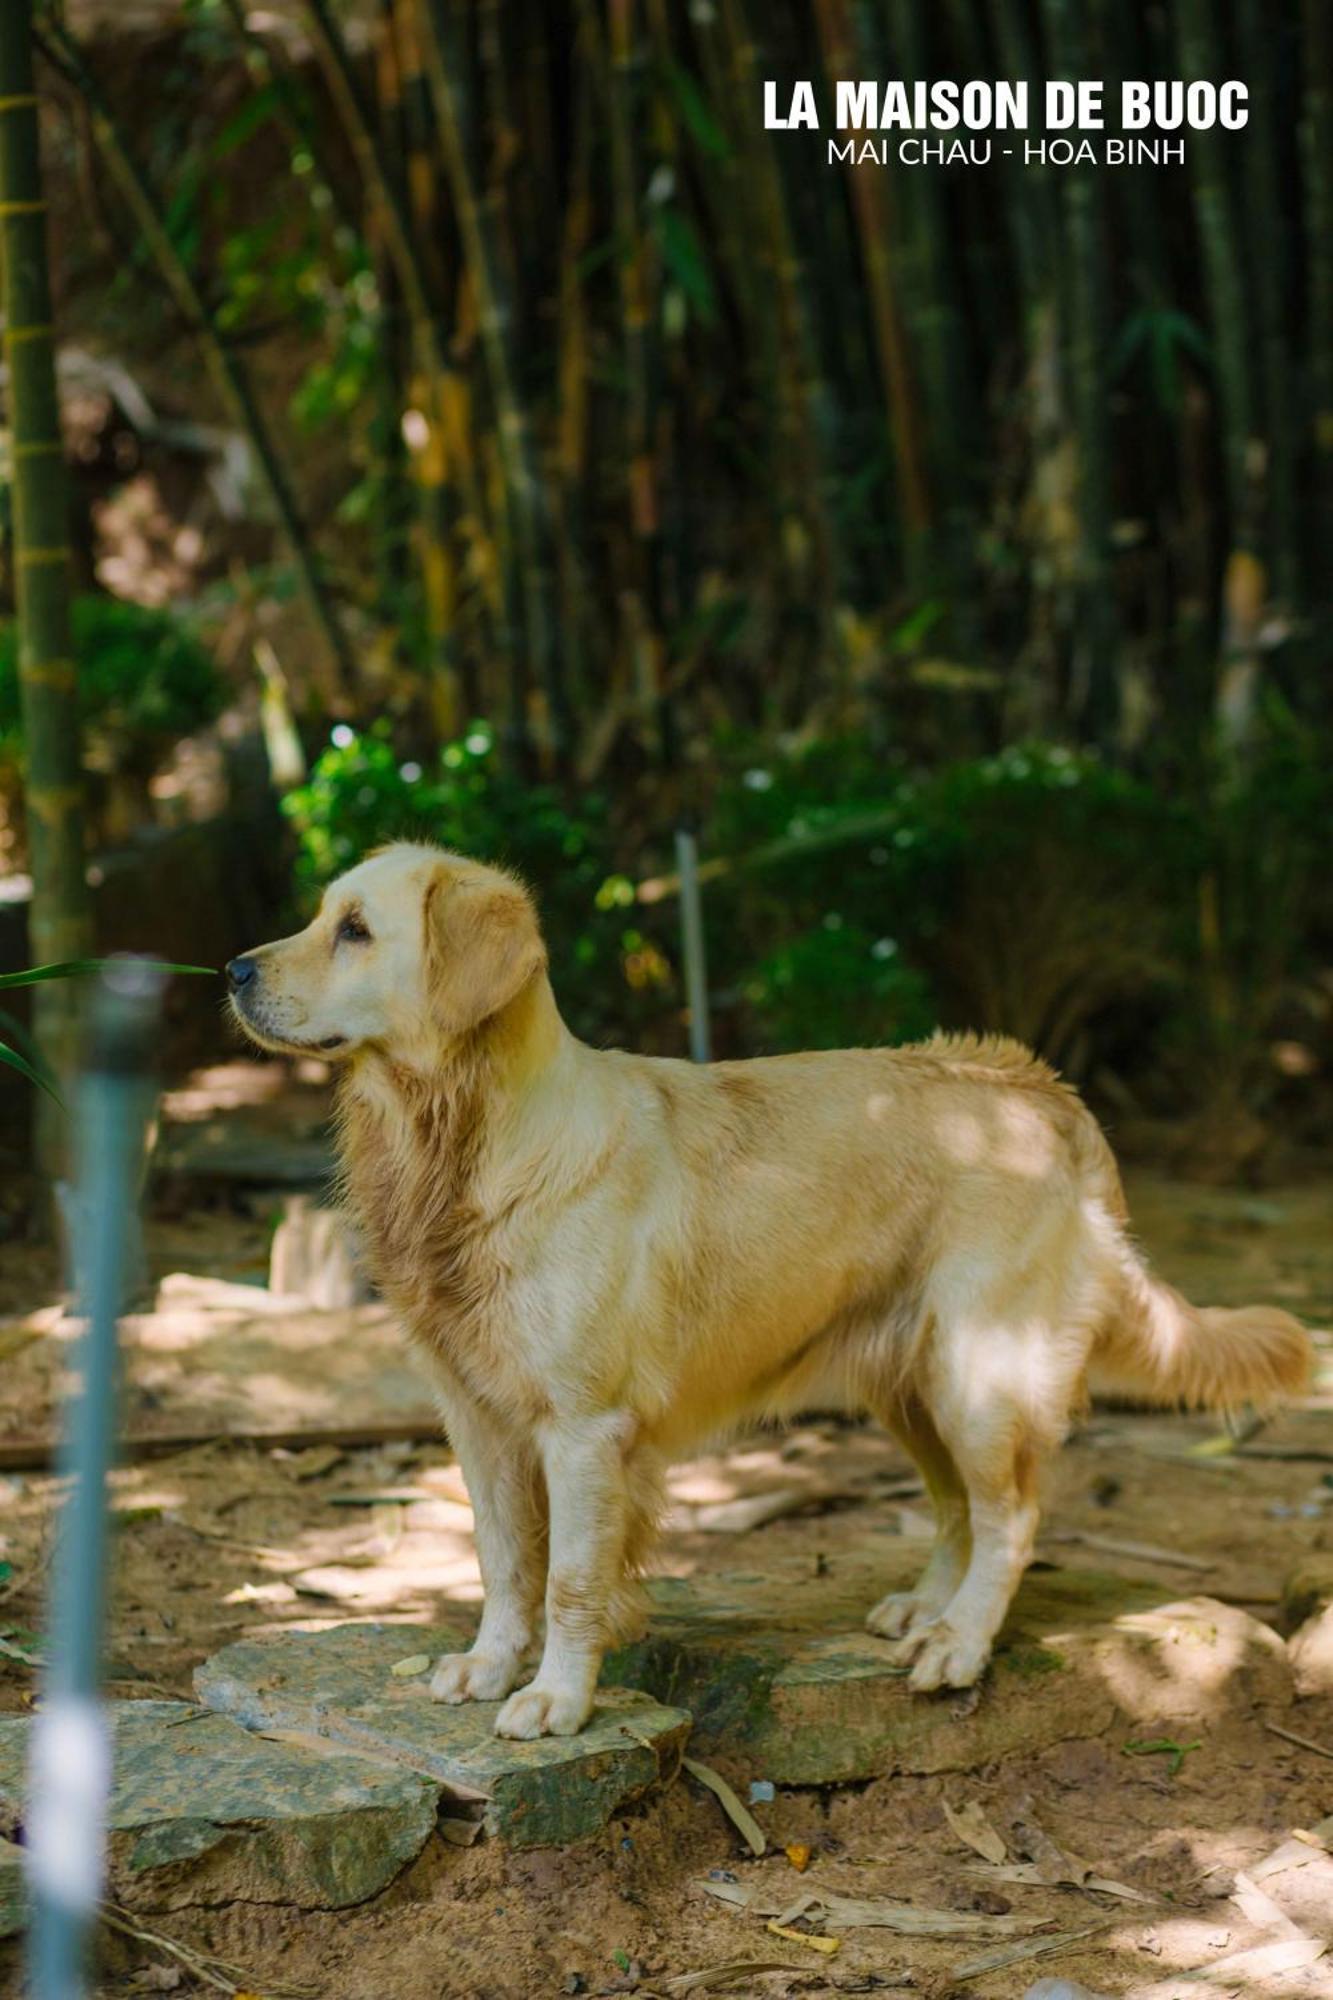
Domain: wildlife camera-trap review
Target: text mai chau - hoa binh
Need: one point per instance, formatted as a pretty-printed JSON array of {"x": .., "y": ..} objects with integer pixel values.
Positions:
[{"x": 1073, "y": 109}]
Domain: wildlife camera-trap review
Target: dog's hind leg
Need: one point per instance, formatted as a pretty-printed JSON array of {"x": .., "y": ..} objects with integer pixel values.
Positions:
[
  {"x": 999, "y": 1467},
  {"x": 909, "y": 1611}
]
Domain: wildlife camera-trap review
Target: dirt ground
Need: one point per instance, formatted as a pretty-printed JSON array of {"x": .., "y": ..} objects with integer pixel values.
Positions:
[{"x": 231, "y": 1537}]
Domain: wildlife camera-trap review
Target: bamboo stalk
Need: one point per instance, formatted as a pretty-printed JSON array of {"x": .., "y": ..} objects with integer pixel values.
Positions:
[
  {"x": 525, "y": 499},
  {"x": 229, "y": 378},
  {"x": 800, "y": 392},
  {"x": 60, "y": 921},
  {"x": 1265, "y": 239},
  {"x": 931, "y": 306},
  {"x": 1094, "y": 689},
  {"x": 1316, "y": 124},
  {"x": 1228, "y": 293},
  {"x": 871, "y": 212},
  {"x": 641, "y": 604}
]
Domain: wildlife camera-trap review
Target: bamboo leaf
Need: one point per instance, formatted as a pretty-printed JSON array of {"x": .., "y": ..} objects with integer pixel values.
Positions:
[
  {"x": 14, "y": 1060},
  {"x": 682, "y": 253},
  {"x": 18, "y": 1038},
  {"x": 694, "y": 109},
  {"x": 73, "y": 968}
]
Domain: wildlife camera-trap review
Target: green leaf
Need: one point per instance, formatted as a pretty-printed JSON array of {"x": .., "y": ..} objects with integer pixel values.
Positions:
[
  {"x": 696, "y": 112},
  {"x": 683, "y": 256},
  {"x": 73, "y": 968},
  {"x": 14, "y": 1060},
  {"x": 17, "y": 1037}
]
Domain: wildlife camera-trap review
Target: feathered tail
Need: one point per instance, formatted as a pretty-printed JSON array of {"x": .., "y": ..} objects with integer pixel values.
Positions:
[{"x": 1159, "y": 1348}]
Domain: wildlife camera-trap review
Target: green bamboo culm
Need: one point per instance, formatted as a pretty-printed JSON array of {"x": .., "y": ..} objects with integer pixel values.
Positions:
[{"x": 60, "y": 925}]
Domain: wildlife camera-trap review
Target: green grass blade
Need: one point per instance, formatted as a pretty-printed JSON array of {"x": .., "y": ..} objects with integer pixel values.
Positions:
[
  {"x": 74, "y": 968},
  {"x": 25, "y": 1068}
]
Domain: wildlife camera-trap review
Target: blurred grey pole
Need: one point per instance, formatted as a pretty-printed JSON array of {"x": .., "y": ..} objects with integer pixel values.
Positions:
[
  {"x": 692, "y": 944},
  {"x": 70, "y": 1770}
]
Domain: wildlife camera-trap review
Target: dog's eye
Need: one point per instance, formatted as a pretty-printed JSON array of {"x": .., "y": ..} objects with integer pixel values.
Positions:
[{"x": 352, "y": 930}]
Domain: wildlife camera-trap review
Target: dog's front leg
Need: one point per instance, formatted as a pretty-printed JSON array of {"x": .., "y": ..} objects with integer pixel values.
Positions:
[
  {"x": 584, "y": 1463},
  {"x": 503, "y": 1484}
]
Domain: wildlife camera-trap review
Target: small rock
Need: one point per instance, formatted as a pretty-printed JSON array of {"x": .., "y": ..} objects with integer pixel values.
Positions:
[
  {"x": 761, "y": 1792},
  {"x": 991, "y": 1903}
]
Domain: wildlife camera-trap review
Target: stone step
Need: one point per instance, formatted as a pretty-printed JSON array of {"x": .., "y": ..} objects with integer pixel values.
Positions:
[
  {"x": 340, "y": 1685},
  {"x": 783, "y": 1681},
  {"x": 203, "y": 1811}
]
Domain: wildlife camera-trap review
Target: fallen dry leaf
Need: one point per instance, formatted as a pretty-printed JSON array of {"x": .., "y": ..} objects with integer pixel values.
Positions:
[
  {"x": 1026, "y": 1874},
  {"x": 972, "y": 1827},
  {"x": 709, "y": 1977},
  {"x": 1035, "y": 1947},
  {"x": 741, "y": 1818},
  {"x": 844, "y": 1913},
  {"x": 415, "y": 1663}
]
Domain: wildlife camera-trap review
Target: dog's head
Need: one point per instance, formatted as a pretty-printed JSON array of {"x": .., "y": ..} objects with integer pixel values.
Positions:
[{"x": 409, "y": 951}]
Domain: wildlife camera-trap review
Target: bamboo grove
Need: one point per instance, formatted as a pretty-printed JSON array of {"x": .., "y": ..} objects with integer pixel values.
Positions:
[{"x": 670, "y": 424}]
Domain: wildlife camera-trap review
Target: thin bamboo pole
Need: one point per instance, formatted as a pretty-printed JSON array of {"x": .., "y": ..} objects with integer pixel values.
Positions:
[
  {"x": 1316, "y": 124},
  {"x": 1094, "y": 691},
  {"x": 60, "y": 921},
  {"x": 525, "y": 498},
  {"x": 1221, "y": 243},
  {"x": 229, "y": 378},
  {"x": 870, "y": 207}
]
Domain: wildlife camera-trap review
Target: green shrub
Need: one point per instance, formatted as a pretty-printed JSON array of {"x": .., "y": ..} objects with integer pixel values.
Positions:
[
  {"x": 1020, "y": 893},
  {"x": 834, "y": 986}
]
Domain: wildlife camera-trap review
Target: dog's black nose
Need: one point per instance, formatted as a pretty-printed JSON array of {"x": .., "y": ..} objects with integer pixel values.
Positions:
[{"x": 240, "y": 971}]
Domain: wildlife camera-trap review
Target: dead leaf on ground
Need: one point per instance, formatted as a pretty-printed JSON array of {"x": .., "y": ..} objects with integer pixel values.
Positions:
[
  {"x": 972, "y": 1827},
  {"x": 1054, "y": 1867},
  {"x": 1026, "y": 1874},
  {"x": 1015, "y": 1954},
  {"x": 741, "y": 1818},
  {"x": 845, "y": 1913},
  {"x": 709, "y": 1977}
]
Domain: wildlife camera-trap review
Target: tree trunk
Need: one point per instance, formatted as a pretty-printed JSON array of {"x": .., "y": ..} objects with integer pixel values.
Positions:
[{"x": 60, "y": 926}]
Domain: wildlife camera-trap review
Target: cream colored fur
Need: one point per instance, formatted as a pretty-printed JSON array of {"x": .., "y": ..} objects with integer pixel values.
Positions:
[{"x": 613, "y": 1258}]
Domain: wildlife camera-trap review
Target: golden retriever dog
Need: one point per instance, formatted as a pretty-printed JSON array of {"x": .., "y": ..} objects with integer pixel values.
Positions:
[{"x": 611, "y": 1259}]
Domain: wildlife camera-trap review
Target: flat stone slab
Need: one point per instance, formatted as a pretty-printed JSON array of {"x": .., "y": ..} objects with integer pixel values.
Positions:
[
  {"x": 339, "y": 1685},
  {"x": 783, "y": 1681},
  {"x": 201, "y": 1811}
]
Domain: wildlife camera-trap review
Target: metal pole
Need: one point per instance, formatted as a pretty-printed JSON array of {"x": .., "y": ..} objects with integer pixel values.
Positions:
[
  {"x": 70, "y": 1771},
  {"x": 692, "y": 944}
]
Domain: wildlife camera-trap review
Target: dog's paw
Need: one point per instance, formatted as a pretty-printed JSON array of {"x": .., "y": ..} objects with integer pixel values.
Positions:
[
  {"x": 538, "y": 1711},
  {"x": 900, "y": 1615},
  {"x": 473, "y": 1676},
  {"x": 946, "y": 1658}
]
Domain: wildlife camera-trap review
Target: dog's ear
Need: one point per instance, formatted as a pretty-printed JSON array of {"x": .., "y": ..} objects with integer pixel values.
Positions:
[{"x": 483, "y": 945}]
